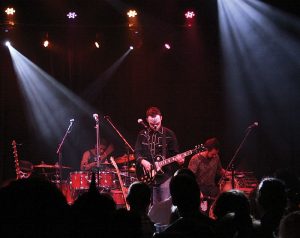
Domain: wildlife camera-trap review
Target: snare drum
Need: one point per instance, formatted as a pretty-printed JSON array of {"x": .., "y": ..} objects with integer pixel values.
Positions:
[{"x": 80, "y": 180}]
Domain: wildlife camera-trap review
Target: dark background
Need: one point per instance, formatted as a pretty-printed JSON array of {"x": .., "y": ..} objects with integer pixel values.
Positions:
[{"x": 187, "y": 83}]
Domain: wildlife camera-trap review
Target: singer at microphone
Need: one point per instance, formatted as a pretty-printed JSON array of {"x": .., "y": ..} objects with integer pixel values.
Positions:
[{"x": 150, "y": 144}]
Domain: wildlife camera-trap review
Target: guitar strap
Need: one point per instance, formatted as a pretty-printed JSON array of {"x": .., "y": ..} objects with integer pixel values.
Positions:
[{"x": 164, "y": 151}]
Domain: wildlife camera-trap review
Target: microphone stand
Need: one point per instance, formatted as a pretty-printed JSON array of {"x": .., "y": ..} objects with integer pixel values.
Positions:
[
  {"x": 122, "y": 137},
  {"x": 128, "y": 146},
  {"x": 97, "y": 149},
  {"x": 58, "y": 151},
  {"x": 231, "y": 165}
]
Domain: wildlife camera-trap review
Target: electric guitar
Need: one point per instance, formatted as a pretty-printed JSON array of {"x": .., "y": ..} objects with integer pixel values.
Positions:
[
  {"x": 19, "y": 173},
  {"x": 159, "y": 162},
  {"x": 120, "y": 180}
]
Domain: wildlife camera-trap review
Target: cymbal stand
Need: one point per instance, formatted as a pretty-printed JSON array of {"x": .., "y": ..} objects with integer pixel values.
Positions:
[
  {"x": 231, "y": 165},
  {"x": 58, "y": 151},
  {"x": 127, "y": 145}
]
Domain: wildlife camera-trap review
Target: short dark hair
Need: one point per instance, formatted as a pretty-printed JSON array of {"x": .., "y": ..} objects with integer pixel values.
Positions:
[
  {"x": 185, "y": 192},
  {"x": 271, "y": 194},
  {"x": 212, "y": 143},
  {"x": 153, "y": 111},
  {"x": 139, "y": 195}
]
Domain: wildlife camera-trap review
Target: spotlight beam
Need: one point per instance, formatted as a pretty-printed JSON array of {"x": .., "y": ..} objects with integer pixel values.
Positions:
[
  {"x": 49, "y": 104},
  {"x": 93, "y": 90}
]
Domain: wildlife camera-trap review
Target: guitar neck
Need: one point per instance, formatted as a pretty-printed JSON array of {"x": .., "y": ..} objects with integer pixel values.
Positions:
[
  {"x": 17, "y": 166},
  {"x": 120, "y": 180},
  {"x": 174, "y": 158}
]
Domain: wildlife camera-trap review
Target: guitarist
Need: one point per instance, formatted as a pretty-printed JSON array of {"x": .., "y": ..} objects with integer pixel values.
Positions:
[
  {"x": 154, "y": 143},
  {"x": 206, "y": 166}
]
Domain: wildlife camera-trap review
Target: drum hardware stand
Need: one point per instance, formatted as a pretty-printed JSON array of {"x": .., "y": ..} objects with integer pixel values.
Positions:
[
  {"x": 58, "y": 151},
  {"x": 231, "y": 165},
  {"x": 127, "y": 145},
  {"x": 96, "y": 117}
]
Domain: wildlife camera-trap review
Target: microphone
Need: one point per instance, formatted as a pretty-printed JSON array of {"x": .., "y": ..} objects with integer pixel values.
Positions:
[
  {"x": 96, "y": 117},
  {"x": 140, "y": 121},
  {"x": 71, "y": 125},
  {"x": 253, "y": 125}
]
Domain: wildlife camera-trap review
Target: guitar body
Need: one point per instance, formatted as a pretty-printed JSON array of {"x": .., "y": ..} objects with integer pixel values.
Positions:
[
  {"x": 149, "y": 177},
  {"x": 157, "y": 173}
]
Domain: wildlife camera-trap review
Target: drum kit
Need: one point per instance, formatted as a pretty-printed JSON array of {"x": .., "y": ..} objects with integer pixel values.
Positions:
[{"x": 79, "y": 182}]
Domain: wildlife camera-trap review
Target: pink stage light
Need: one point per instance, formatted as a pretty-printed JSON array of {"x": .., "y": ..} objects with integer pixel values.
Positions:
[
  {"x": 167, "y": 46},
  {"x": 46, "y": 43},
  {"x": 10, "y": 11},
  {"x": 189, "y": 14},
  {"x": 71, "y": 15},
  {"x": 97, "y": 44},
  {"x": 131, "y": 13}
]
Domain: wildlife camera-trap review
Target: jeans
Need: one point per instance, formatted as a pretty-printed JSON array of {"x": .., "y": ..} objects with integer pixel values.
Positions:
[{"x": 161, "y": 192}]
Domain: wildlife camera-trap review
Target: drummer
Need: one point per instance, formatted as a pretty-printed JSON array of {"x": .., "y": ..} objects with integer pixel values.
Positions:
[{"x": 89, "y": 157}]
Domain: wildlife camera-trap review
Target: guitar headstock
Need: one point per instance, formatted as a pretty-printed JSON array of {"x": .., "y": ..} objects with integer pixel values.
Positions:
[{"x": 14, "y": 143}]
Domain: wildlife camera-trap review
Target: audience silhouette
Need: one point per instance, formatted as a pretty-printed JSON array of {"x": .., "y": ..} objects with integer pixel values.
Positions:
[
  {"x": 272, "y": 201},
  {"x": 232, "y": 210},
  {"x": 192, "y": 223},
  {"x": 35, "y": 207},
  {"x": 139, "y": 198}
]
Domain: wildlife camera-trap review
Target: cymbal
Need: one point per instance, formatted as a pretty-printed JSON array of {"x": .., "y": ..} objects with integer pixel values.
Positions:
[
  {"x": 124, "y": 158},
  {"x": 50, "y": 166}
]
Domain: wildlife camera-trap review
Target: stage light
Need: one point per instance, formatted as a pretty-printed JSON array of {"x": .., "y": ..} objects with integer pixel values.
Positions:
[
  {"x": 7, "y": 43},
  {"x": 97, "y": 44},
  {"x": 10, "y": 23},
  {"x": 46, "y": 43},
  {"x": 189, "y": 14},
  {"x": 167, "y": 46},
  {"x": 131, "y": 13},
  {"x": 131, "y": 47},
  {"x": 10, "y": 11},
  {"x": 71, "y": 15}
]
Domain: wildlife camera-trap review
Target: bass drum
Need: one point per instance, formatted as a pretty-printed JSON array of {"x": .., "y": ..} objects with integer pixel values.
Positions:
[
  {"x": 118, "y": 197},
  {"x": 226, "y": 184},
  {"x": 66, "y": 190}
]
